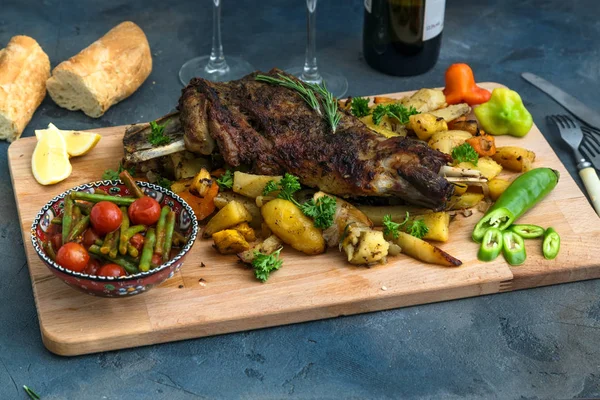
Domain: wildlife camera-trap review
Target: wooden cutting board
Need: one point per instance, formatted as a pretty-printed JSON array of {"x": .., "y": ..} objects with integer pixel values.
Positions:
[{"x": 213, "y": 294}]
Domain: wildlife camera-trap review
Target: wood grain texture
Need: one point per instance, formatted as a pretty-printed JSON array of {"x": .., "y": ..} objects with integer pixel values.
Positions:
[{"x": 306, "y": 288}]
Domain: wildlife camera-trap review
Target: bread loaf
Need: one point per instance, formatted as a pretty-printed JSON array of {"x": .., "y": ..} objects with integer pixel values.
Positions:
[
  {"x": 106, "y": 72},
  {"x": 24, "y": 69}
]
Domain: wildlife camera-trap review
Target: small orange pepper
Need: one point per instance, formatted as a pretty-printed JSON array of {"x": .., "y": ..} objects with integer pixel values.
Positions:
[
  {"x": 461, "y": 86},
  {"x": 484, "y": 145},
  {"x": 202, "y": 206}
]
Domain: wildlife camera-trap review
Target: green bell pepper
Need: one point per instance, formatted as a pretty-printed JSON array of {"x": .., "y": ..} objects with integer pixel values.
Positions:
[{"x": 504, "y": 114}]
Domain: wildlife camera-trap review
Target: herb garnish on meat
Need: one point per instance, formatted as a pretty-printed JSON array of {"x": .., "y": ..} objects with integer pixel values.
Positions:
[{"x": 157, "y": 136}]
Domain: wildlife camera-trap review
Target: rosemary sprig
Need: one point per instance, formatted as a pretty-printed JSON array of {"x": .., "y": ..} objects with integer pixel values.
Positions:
[
  {"x": 285, "y": 81},
  {"x": 330, "y": 105}
]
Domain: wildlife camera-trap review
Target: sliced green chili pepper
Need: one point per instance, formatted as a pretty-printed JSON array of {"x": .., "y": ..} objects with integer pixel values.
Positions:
[
  {"x": 527, "y": 231},
  {"x": 525, "y": 192},
  {"x": 551, "y": 244},
  {"x": 491, "y": 246},
  {"x": 513, "y": 248}
]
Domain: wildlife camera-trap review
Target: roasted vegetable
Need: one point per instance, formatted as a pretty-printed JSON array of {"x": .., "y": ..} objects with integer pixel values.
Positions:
[
  {"x": 425, "y": 125},
  {"x": 201, "y": 184},
  {"x": 387, "y": 127},
  {"x": 376, "y": 213},
  {"x": 185, "y": 164},
  {"x": 484, "y": 145},
  {"x": 452, "y": 113},
  {"x": 232, "y": 214},
  {"x": 180, "y": 186},
  {"x": 466, "y": 200},
  {"x": 425, "y": 100},
  {"x": 448, "y": 140},
  {"x": 497, "y": 186},
  {"x": 504, "y": 114},
  {"x": 461, "y": 86},
  {"x": 462, "y": 124},
  {"x": 225, "y": 197},
  {"x": 288, "y": 222},
  {"x": 203, "y": 206},
  {"x": 268, "y": 246},
  {"x": 230, "y": 241},
  {"x": 246, "y": 231},
  {"x": 514, "y": 158},
  {"x": 423, "y": 251},
  {"x": 524, "y": 193},
  {"x": 488, "y": 167},
  {"x": 438, "y": 225},
  {"x": 251, "y": 185}
]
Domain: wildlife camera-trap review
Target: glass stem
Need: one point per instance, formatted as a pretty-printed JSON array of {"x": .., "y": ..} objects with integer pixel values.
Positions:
[
  {"x": 216, "y": 62},
  {"x": 311, "y": 71}
]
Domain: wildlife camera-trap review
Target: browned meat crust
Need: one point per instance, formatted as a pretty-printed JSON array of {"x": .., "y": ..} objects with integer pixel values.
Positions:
[{"x": 271, "y": 129}]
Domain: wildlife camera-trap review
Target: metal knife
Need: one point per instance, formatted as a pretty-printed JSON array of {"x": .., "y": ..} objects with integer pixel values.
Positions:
[{"x": 569, "y": 102}]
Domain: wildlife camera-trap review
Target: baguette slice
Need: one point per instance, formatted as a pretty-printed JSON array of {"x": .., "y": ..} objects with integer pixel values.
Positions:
[
  {"x": 24, "y": 69},
  {"x": 104, "y": 73}
]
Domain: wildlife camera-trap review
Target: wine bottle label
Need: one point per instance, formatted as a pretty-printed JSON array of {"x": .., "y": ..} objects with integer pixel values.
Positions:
[
  {"x": 368, "y": 5},
  {"x": 434, "y": 18}
]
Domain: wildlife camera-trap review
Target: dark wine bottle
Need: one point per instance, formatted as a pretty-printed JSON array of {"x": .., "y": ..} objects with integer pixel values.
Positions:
[{"x": 403, "y": 37}]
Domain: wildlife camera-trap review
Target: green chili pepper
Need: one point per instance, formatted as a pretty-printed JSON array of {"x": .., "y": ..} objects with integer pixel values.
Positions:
[
  {"x": 513, "y": 248},
  {"x": 504, "y": 114},
  {"x": 551, "y": 244},
  {"x": 491, "y": 246},
  {"x": 527, "y": 231},
  {"x": 525, "y": 192}
]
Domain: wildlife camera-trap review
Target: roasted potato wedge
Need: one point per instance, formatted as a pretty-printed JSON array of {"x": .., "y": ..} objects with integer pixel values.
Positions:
[
  {"x": 453, "y": 112},
  {"x": 388, "y": 127},
  {"x": 223, "y": 198},
  {"x": 466, "y": 200},
  {"x": 423, "y": 251},
  {"x": 384, "y": 100},
  {"x": 438, "y": 224},
  {"x": 514, "y": 158},
  {"x": 460, "y": 188},
  {"x": 370, "y": 247},
  {"x": 497, "y": 186},
  {"x": 425, "y": 125},
  {"x": 268, "y": 246},
  {"x": 288, "y": 222},
  {"x": 246, "y": 231},
  {"x": 230, "y": 241},
  {"x": 251, "y": 185},
  {"x": 181, "y": 186},
  {"x": 232, "y": 214},
  {"x": 186, "y": 165},
  {"x": 398, "y": 213},
  {"x": 425, "y": 100},
  {"x": 487, "y": 166},
  {"x": 462, "y": 124},
  {"x": 448, "y": 140},
  {"x": 201, "y": 183}
]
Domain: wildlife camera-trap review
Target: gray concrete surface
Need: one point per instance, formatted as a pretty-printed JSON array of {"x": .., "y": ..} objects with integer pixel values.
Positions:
[{"x": 540, "y": 343}]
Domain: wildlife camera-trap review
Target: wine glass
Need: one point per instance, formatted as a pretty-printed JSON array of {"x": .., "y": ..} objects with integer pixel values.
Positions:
[
  {"x": 335, "y": 82},
  {"x": 215, "y": 67}
]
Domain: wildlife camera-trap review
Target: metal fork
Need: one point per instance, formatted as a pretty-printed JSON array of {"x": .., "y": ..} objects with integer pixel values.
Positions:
[
  {"x": 570, "y": 131},
  {"x": 590, "y": 147}
]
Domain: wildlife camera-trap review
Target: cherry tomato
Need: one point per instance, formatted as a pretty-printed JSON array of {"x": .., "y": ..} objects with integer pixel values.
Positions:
[
  {"x": 145, "y": 211},
  {"x": 105, "y": 217},
  {"x": 56, "y": 241},
  {"x": 89, "y": 237},
  {"x": 92, "y": 267},
  {"x": 73, "y": 256},
  {"x": 156, "y": 259},
  {"x": 137, "y": 241},
  {"x": 111, "y": 270}
]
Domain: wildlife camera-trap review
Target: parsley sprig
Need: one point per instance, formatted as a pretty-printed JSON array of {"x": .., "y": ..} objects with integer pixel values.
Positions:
[
  {"x": 226, "y": 180},
  {"x": 465, "y": 152},
  {"x": 164, "y": 182},
  {"x": 360, "y": 107},
  {"x": 157, "y": 136},
  {"x": 264, "y": 264},
  {"x": 113, "y": 175},
  {"x": 394, "y": 110},
  {"x": 321, "y": 211},
  {"x": 417, "y": 227}
]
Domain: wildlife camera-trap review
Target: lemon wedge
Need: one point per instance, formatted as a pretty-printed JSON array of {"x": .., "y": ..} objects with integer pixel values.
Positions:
[
  {"x": 50, "y": 161},
  {"x": 78, "y": 143}
]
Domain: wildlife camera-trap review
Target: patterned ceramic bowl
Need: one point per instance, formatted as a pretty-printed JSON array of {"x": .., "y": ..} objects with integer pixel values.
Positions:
[{"x": 125, "y": 285}]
